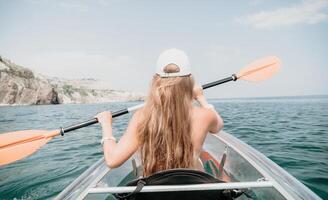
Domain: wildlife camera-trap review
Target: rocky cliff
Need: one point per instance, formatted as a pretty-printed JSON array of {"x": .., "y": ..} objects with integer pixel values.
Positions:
[{"x": 20, "y": 86}]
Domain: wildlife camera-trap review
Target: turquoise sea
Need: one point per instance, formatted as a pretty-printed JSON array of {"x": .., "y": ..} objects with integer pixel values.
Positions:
[{"x": 292, "y": 131}]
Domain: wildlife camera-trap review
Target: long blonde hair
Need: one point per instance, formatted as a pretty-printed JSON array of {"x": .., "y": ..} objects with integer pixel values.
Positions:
[{"x": 164, "y": 132}]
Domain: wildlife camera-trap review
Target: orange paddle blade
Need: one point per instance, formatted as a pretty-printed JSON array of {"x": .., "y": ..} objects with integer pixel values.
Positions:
[
  {"x": 260, "y": 70},
  {"x": 20, "y": 144}
]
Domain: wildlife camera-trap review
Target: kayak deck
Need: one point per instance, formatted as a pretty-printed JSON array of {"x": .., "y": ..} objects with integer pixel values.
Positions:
[{"x": 224, "y": 156}]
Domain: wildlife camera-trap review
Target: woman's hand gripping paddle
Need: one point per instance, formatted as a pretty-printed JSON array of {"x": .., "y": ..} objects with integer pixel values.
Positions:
[{"x": 20, "y": 144}]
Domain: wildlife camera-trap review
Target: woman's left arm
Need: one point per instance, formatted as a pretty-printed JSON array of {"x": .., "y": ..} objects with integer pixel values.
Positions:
[{"x": 117, "y": 153}]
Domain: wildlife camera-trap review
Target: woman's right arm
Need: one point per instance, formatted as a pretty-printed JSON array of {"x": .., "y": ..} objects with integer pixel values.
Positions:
[
  {"x": 117, "y": 153},
  {"x": 215, "y": 120}
]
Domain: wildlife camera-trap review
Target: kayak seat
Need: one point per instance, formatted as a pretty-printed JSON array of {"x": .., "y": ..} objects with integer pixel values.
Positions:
[{"x": 178, "y": 177}]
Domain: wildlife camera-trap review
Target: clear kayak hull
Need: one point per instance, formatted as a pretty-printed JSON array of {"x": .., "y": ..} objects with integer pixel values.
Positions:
[{"x": 224, "y": 157}]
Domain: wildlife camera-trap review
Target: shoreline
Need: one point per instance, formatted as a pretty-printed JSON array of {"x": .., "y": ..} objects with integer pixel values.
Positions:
[
  {"x": 142, "y": 99},
  {"x": 89, "y": 103}
]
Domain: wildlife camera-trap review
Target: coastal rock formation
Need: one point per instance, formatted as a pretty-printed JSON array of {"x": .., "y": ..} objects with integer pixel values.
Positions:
[
  {"x": 20, "y": 86},
  {"x": 89, "y": 91}
]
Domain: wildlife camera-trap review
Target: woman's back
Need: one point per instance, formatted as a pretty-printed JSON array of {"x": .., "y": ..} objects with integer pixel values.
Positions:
[
  {"x": 169, "y": 130},
  {"x": 203, "y": 122}
]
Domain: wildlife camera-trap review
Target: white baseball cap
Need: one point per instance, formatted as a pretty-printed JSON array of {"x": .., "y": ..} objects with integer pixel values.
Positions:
[{"x": 173, "y": 56}]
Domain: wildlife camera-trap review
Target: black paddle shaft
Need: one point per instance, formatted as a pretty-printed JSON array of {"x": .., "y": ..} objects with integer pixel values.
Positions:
[
  {"x": 90, "y": 122},
  {"x": 233, "y": 77},
  {"x": 125, "y": 111}
]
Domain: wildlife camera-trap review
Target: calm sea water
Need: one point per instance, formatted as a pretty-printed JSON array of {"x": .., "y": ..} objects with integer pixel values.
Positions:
[{"x": 292, "y": 131}]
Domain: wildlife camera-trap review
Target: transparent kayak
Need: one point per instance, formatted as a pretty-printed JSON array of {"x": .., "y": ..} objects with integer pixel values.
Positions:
[{"x": 224, "y": 157}]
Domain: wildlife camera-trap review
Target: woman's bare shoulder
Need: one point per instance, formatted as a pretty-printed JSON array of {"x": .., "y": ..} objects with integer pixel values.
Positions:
[
  {"x": 140, "y": 114},
  {"x": 202, "y": 113}
]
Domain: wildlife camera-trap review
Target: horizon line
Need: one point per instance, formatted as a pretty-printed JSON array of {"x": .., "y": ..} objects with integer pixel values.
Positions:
[{"x": 268, "y": 97}]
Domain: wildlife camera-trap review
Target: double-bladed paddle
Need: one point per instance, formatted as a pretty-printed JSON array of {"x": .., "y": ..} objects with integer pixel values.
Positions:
[{"x": 20, "y": 144}]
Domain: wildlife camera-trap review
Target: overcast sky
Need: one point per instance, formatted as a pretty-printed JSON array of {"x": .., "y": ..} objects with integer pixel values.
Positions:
[{"x": 120, "y": 41}]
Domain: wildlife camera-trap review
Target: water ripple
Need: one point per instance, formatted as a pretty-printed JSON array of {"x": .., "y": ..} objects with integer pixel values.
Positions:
[{"x": 291, "y": 131}]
